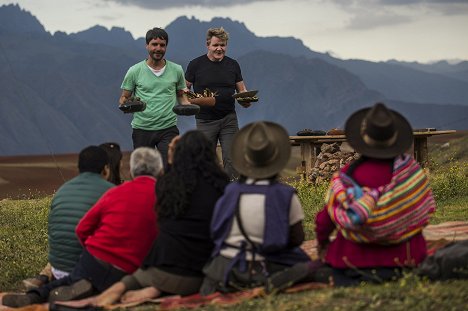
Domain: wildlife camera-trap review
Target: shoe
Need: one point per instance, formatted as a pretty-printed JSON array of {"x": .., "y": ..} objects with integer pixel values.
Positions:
[
  {"x": 289, "y": 276},
  {"x": 36, "y": 281},
  {"x": 21, "y": 300},
  {"x": 58, "y": 307},
  {"x": 81, "y": 289}
]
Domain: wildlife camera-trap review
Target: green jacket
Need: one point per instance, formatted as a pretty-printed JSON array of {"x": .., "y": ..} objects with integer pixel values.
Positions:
[{"x": 72, "y": 200}]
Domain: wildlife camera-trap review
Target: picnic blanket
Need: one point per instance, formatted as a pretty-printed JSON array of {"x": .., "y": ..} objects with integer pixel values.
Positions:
[
  {"x": 450, "y": 231},
  {"x": 437, "y": 236}
]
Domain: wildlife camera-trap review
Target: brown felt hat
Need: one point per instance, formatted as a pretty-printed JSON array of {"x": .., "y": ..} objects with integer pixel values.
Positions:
[
  {"x": 260, "y": 149},
  {"x": 378, "y": 132}
]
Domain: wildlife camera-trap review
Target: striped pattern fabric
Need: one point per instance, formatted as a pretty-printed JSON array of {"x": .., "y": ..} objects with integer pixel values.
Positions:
[{"x": 387, "y": 215}]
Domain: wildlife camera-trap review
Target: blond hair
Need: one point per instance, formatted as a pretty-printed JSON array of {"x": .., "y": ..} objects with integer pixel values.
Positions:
[{"x": 219, "y": 33}]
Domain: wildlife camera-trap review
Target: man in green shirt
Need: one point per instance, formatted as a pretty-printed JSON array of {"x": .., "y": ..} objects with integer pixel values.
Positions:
[{"x": 160, "y": 84}]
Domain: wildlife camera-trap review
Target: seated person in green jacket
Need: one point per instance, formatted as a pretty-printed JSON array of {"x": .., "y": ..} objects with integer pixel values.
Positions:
[{"x": 71, "y": 201}]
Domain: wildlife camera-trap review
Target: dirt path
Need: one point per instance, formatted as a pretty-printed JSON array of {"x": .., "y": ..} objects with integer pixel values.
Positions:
[{"x": 27, "y": 177}]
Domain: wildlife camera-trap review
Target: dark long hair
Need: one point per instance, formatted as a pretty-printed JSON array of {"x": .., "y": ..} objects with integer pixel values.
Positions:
[
  {"x": 115, "y": 156},
  {"x": 194, "y": 159}
]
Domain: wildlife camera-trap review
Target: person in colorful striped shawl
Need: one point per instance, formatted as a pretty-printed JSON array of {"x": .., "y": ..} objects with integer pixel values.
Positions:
[{"x": 378, "y": 204}]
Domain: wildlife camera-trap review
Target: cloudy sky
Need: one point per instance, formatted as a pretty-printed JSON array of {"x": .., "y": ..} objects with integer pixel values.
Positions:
[{"x": 377, "y": 30}]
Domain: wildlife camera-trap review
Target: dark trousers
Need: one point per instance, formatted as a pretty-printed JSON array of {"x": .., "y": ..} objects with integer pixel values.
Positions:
[
  {"x": 223, "y": 130},
  {"x": 159, "y": 139},
  {"x": 101, "y": 275}
]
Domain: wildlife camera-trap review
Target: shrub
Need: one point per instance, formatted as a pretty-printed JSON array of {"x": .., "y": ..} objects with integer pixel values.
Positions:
[
  {"x": 312, "y": 200},
  {"x": 450, "y": 182}
]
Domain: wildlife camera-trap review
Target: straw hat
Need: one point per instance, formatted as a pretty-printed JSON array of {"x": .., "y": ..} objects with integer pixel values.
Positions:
[
  {"x": 378, "y": 132},
  {"x": 260, "y": 149}
]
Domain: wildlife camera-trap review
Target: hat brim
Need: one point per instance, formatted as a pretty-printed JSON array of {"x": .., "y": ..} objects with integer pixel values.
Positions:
[
  {"x": 280, "y": 138},
  {"x": 356, "y": 140}
]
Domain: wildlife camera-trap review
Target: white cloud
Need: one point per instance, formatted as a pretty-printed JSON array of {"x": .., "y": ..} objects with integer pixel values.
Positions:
[{"x": 166, "y": 4}]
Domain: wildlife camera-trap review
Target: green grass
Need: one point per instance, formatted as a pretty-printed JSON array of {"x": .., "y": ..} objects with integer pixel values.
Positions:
[
  {"x": 23, "y": 253},
  {"x": 410, "y": 293},
  {"x": 23, "y": 240}
]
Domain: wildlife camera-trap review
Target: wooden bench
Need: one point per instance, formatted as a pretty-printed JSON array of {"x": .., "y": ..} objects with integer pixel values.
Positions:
[{"x": 310, "y": 147}]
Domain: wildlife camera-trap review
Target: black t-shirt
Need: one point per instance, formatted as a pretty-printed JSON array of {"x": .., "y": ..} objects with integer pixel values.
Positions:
[
  {"x": 220, "y": 77},
  {"x": 184, "y": 245}
]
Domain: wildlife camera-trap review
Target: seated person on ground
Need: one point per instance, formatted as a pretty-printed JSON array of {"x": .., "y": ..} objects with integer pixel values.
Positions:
[
  {"x": 378, "y": 204},
  {"x": 257, "y": 223},
  {"x": 71, "y": 201},
  {"x": 117, "y": 233},
  {"x": 186, "y": 195},
  {"x": 115, "y": 161}
]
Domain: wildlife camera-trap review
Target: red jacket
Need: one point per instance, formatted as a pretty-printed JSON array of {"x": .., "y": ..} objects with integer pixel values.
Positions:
[
  {"x": 342, "y": 253},
  {"x": 121, "y": 226}
]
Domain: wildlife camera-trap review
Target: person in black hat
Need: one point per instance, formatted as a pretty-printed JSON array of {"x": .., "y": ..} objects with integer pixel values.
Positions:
[
  {"x": 379, "y": 203},
  {"x": 257, "y": 223}
]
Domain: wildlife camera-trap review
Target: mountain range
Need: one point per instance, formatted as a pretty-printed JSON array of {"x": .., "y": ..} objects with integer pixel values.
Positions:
[{"x": 60, "y": 91}]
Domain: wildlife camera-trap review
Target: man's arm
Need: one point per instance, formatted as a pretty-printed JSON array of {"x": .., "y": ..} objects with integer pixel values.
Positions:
[
  {"x": 182, "y": 98},
  {"x": 124, "y": 97},
  {"x": 202, "y": 101},
  {"x": 240, "y": 87}
]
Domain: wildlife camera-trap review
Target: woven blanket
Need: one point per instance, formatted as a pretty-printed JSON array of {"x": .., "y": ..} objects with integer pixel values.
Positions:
[
  {"x": 388, "y": 214},
  {"x": 450, "y": 231}
]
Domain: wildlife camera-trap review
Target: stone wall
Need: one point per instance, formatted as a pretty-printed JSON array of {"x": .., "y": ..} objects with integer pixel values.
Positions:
[{"x": 331, "y": 158}]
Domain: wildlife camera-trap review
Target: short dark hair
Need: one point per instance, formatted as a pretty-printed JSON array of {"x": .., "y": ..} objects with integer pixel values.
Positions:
[
  {"x": 92, "y": 159},
  {"x": 156, "y": 33}
]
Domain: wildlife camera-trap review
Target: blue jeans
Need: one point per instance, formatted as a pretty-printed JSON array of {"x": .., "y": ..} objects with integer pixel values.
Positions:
[{"x": 223, "y": 130}]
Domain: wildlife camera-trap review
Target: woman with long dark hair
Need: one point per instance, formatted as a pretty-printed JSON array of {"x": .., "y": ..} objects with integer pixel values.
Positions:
[
  {"x": 186, "y": 196},
  {"x": 115, "y": 158}
]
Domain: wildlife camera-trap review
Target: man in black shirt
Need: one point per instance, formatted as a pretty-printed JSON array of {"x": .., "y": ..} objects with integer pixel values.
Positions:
[{"x": 220, "y": 74}]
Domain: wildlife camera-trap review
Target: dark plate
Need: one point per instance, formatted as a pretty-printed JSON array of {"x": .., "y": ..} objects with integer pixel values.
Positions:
[
  {"x": 186, "y": 110},
  {"x": 428, "y": 129},
  {"x": 245, "y": 94},
  {"x": 308, "y": 132},
  {"x": 133, "y": 106},
  {"x": 246, "y": 99}
]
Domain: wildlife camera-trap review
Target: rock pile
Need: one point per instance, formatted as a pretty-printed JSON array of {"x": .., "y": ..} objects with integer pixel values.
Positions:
[{"x": 330, "y": 159}]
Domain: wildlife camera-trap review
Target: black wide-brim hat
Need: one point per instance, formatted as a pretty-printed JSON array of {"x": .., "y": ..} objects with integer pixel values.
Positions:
[
  {"x": 260, "y": 150},
  {"x": 379, "y": 132}
]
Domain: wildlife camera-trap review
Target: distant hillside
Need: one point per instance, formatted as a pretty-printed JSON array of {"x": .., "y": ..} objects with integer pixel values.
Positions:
[
  {"x": 61, "y": 95},
  {"x": 457, "y": 71},
  {"x": 447, "y": 150}
]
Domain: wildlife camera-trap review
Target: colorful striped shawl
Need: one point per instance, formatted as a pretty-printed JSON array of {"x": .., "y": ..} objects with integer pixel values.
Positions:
[{"x": 389, "y": 214}]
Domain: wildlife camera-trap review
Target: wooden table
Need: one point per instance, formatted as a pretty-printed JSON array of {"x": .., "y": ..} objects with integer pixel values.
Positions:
[{"x": 310, "y": 147}]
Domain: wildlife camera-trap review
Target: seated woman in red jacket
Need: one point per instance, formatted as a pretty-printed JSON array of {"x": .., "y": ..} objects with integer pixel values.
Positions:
[
  {"x": 378, "y": 204},
  {"x": 187, "y": 194},
  {"x": 116, "y": 234}
]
